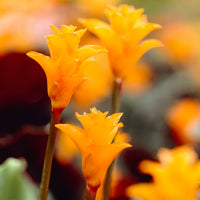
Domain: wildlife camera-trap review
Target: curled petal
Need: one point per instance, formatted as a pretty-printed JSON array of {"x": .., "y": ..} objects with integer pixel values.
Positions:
[
  {"x": 149, "y": 167},
  {"x": 56, "y": 46},
  {"x": 76, "y": 134},
  {"x": 142, "y": 190},
  {"x": 140, "y": 31},
  {"x": 145, "y": 46},
  {"x": 43, "y": 60},
  {"x": 55, "y": 30},
  {"x": 88, "y": 51}
]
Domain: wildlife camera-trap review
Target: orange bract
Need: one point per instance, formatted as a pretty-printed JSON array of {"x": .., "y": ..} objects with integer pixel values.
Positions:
[
  {"x": 178, "y": 171},
  {"x": 123, "y": 36},
  {"x": 63, "y": 68},
  {"x": 94, "y": 142}
]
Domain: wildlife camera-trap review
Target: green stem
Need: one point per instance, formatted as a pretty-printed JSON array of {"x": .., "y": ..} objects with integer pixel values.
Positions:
[
  {"x": 116, "y": 96},
  {"x": 46, "y": 173}
]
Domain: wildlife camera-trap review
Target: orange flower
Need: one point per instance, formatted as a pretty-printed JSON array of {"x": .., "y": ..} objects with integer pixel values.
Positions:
[
  {"x": 94, "y": 143},
  {"x": 184, "y": 120},
  {"x": 139, "y": 79},
  {"x": 181, "y": 41},
  {"x": 178, "y": 172},
  {"x": 122, "y": 37},
  {"x": 63, "y": 68}
]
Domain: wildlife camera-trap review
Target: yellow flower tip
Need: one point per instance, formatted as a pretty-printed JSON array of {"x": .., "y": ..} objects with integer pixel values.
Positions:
[
  {"x": 38, "y": 57},
  {"x": 148, "y": 166},
  {"x": 124, "y": 145},
  {"x": 116, "y": 116},
  {"x": 31, "y": 53},
  {"x": 93, "y": 110},
  {"x": 68, "y": 29},
  {"x": 155, "y": 43},
  {"x": 60, "y": 126},
  {"x": 157, "y": 26},
  {"x": 55, "y": 30},
  {"x": 122, "y": 137}
]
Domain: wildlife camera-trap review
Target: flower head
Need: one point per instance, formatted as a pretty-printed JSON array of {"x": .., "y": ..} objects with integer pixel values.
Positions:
[
  {"x": 178, "y": 171},
  {"x": 128, "y": 26},
  {"x": 181, "y": 40},
  {"x": 63, "y": 68},
  {"x": 184, "y": 120},
  {"x": 94, "y": 142}
]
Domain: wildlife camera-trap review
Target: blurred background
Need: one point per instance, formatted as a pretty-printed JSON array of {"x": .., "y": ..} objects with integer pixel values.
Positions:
[{"x": 160, "y": 99}]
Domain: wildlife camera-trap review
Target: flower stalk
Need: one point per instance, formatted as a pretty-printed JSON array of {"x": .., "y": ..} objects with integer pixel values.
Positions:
[
  {"x": 116, "y": 96},
  {"x": 55, "y": 118}
]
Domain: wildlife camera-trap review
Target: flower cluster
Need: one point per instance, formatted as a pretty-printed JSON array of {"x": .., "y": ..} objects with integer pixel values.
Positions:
[{"x": 65, "y": 70}]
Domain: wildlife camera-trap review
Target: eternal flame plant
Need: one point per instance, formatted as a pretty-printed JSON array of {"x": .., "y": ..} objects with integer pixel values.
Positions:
[
  {"x": 63, "y": 70},
  {"x": 95, "y": 144},
  {"x": 122, "y": 38}
]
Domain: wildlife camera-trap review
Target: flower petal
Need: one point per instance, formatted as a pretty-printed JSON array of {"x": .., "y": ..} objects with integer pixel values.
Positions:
[
  {"x": 88, "y": 51},
  {"x": 145, "y": 46},
  {"x": 76, "y": 134}
]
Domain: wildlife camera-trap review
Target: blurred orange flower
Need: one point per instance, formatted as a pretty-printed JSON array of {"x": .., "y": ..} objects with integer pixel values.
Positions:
[
  {"x": 184, "y": 120},
  {"x": 95, "y": 143},
  {"x": 31, "y": 16},
  {"x": 123, "y": 36},
  {"x": 98, "y": 83},
  {"x": 139, "y": 79},
  {"x": 63, "y": 68},
  {"x": 181, "y": 41},
  {"x": 24, "y": 6},
  {"x": 178, "y": 172},
  {"x": 95, "y": 8}
]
